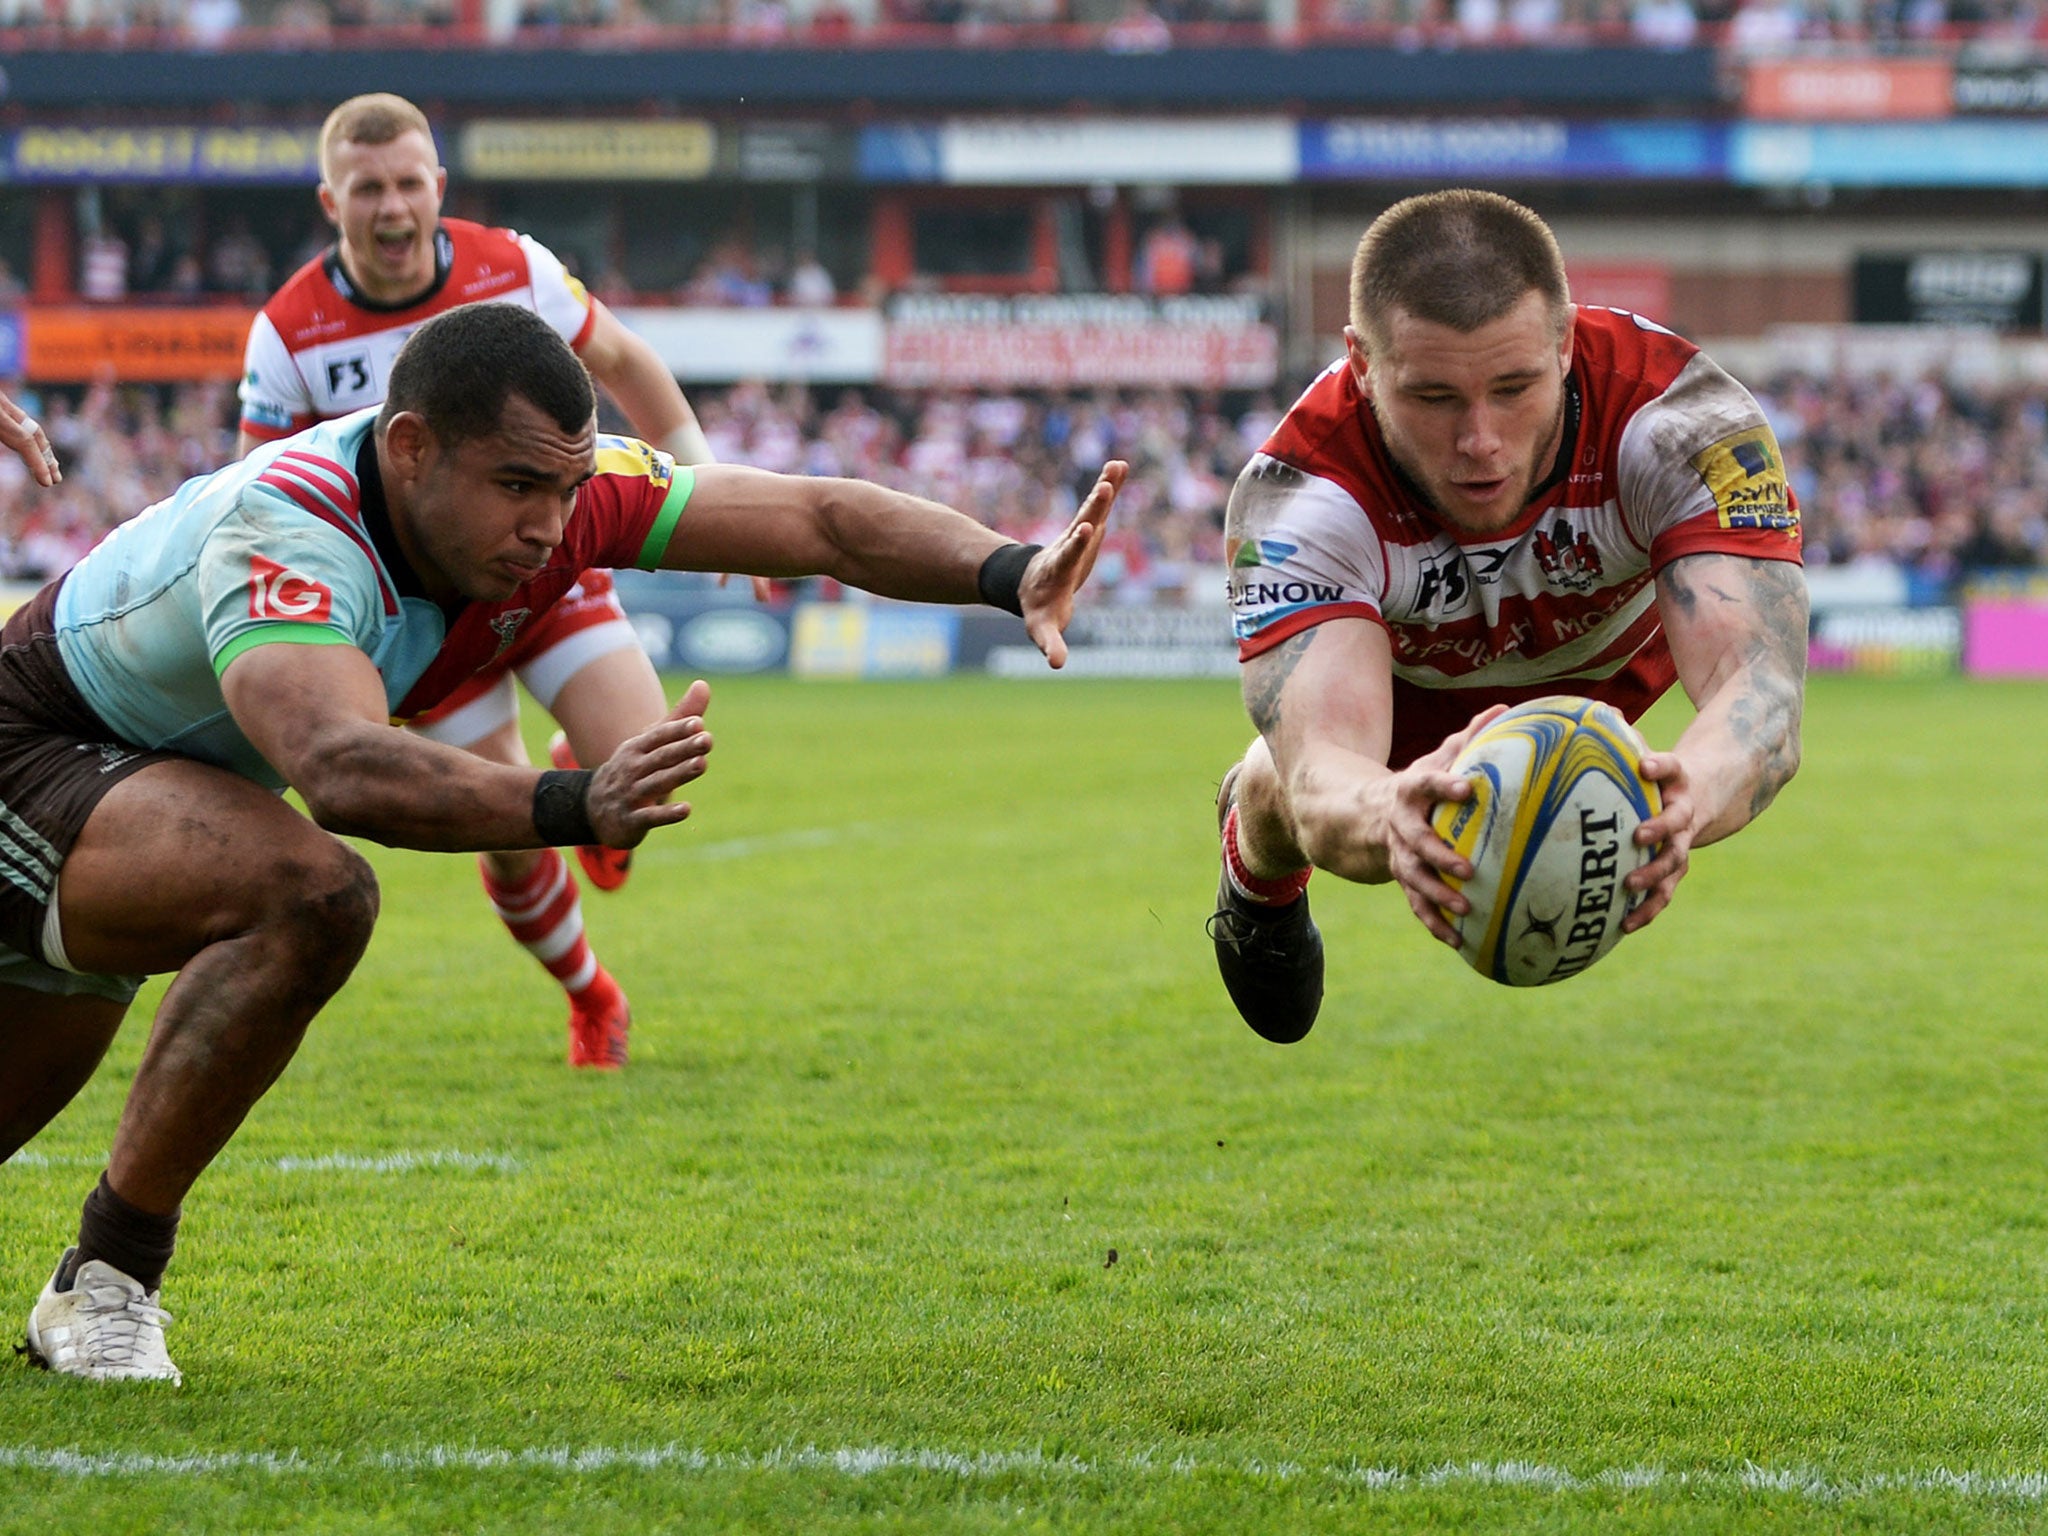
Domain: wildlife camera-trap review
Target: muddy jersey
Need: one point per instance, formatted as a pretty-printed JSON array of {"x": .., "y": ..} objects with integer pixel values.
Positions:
[
  {"x": 1663, "y": 455},
  {"x": 293, "y": 545},
  {"x": 319, "y": 349}
]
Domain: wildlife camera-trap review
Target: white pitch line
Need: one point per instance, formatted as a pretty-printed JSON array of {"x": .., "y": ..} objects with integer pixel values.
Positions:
[
  {"x": 395, "y": 1162},
  {"x": 331, "y": 1162},
  {"x": 1804, "y": 1484},
  {"x": 796, "y": 839}
]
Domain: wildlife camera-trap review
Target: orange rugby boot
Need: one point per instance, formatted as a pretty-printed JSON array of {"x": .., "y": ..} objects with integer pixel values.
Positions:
[
  {"x": 605, "y": 868},
  {"x": 599, "y": 1018}
]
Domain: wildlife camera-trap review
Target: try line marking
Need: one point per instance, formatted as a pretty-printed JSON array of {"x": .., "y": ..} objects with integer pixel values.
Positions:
[{"x": 871, "y": 1460}]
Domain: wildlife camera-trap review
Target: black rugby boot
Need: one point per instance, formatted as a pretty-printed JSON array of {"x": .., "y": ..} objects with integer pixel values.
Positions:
[{"x": 1271, "y": 957}]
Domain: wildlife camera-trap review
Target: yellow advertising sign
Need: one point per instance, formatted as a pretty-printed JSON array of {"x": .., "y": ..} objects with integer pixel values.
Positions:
[
  {"x": 165, "y": 154},
  {"x": 580, "y": 149}
]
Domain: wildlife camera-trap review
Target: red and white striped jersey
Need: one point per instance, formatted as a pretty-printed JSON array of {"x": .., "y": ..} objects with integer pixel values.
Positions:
[
  {"x": 319, "y": 349},
  {"x": 1664, "y": 455}
]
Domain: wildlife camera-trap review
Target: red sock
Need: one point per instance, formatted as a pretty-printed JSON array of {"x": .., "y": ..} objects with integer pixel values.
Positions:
[
  {"x": 1265, "y": 893},
  {"x": 544, "y": 913}
]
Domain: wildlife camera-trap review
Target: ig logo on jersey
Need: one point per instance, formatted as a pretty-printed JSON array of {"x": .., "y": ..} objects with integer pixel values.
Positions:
[{"x": 278, "y": 592}]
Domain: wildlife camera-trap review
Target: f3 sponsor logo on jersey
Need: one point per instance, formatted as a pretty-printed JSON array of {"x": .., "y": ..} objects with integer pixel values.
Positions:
[
  {"x": 349, "y": 376},
  {"x": 1747, "y": 479},
  {"x": 1568, "y": 555},
  {"x": 277, "y": 592},
  {"x": 1444, "y": 583}
]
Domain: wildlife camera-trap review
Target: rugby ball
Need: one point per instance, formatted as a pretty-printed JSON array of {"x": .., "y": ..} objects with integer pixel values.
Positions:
[{"x": 1557, "y": 794}]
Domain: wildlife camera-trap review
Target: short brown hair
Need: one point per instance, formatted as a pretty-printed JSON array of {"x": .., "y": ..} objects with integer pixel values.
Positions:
[
  {"x": 377, "y": 118},
  {"x": 1461, "y": 258}
]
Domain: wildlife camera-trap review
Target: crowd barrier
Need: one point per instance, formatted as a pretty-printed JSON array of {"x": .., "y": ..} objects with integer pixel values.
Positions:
[{"x": 1864, "y": 621}]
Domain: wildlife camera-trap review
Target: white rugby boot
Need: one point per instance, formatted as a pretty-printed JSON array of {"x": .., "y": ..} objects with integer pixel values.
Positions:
[{"x": 104, "y": 1328}]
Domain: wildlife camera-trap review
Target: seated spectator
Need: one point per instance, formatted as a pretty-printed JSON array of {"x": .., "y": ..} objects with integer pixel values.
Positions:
[
  {"x": 727, "y": 277},
  {"x": 150, "y": 258},
  {"x": 1764, "y": 27},
  {"x": 1139, "y": 29},
  {"x": 103, "y": 267},
  {"x": 1168, "y": 258},
  {"x": 238, "y": 263},
  {"x": 832, "y": 21},
  {"x": 1664, "y": 23},
  {"x": 758, "y": 21},
  {"x": 1535, "y": 21},
  {"x": 297, "y": 23},
  {"x": 810, "y": 284},
  {"x": 210, "y": 23}
]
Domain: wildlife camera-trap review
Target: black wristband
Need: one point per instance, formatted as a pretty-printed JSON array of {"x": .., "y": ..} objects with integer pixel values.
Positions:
[
  {"x": 561, "y": 808},
  {"x": 1001, "y": 577}
]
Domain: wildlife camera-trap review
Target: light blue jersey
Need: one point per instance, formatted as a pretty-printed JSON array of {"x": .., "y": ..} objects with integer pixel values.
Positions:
[{"x": 271, "y": 550}]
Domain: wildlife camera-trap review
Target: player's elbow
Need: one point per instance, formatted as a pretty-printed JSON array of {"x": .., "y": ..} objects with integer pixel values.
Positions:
[
  {"x": 341, "y": 796},
  {"x": 338, "y": 808},
  {"x": 836, "y": 527}
]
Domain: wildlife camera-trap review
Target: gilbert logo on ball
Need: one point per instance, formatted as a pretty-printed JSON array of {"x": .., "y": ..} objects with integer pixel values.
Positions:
[{"x": 1557, "y": 794}]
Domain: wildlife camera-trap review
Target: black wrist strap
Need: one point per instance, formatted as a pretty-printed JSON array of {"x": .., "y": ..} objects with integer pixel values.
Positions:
[
  {"x": 1001, "y": 578},
  {"x": 561, "y": 808}
]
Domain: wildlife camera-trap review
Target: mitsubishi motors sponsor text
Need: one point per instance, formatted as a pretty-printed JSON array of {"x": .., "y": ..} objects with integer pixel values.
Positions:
[{"x": 1068, "y": 342}]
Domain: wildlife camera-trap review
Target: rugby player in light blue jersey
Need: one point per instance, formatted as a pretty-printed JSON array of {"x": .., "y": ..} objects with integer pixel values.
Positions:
[{"x": 264, "y": 627}]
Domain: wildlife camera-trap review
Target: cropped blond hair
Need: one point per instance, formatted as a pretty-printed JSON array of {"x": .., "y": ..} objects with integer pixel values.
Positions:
[{"x": 377, "y": 118}]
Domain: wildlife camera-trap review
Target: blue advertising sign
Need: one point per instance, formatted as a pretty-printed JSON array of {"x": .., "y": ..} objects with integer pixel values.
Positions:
[
  {"x": 686, "y": 626},
  {"x": 899, "y": 152},
  {"x": 1510, "y": 149},
  {"x": 1950, "y": 154},
  {"x": 10, "y": 343}
]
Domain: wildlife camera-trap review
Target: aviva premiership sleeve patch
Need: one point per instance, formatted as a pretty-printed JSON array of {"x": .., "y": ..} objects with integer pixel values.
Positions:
[
  {"x": 1747, "y": 479},
  {"x": 631, "y": 457}
]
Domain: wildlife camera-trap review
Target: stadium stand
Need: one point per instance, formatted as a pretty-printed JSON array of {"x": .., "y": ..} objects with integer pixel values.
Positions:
[
  {"x": 1941, "y": 479},
  {"x": 1133, "y": 26}
]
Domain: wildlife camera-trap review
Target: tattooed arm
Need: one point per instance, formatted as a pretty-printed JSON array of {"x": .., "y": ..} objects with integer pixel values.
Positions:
[
  {"x": 1316, "y": 788},
  {"x": 1737, "y": 629}
]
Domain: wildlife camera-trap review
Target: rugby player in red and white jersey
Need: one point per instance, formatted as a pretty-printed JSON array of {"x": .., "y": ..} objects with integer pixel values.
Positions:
[
  {"x": 323, "y": 346},
  {"x": 1492, "y": 497}
]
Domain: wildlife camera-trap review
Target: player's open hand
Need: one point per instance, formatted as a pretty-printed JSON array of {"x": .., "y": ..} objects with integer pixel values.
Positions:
[
  {"x": 1057, "y": 571},
  {"x": 1416, "y": 856},
  {"x": 629, "y": 792},
  {"x": 20, "y": 432},
  {"x": 1672, "y": 826}
]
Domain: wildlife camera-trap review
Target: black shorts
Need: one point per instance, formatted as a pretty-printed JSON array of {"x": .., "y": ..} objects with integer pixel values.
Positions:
[{"x": 57, "y": 759}]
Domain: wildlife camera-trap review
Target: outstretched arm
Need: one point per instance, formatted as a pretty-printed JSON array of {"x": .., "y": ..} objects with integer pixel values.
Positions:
[
  {"x": 633, "y": 373},
  {"x": 317, "y": 714},
  {"x": 1737, "y": 629},
  {"x": 881, "y": 541}
]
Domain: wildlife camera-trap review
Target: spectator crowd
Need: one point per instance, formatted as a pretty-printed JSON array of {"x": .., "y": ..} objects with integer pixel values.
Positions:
[
  {"x": 1134, "y": 26},
  {"x": 1938, "y": 479}
]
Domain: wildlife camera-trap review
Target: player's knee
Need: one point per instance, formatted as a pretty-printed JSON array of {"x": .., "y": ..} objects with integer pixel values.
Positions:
[{"x": 328, "y": 900}]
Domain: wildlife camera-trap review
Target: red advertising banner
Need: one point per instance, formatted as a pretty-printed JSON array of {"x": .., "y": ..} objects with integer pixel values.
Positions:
[
  {"x": 134, "y": 345},
  {"x": 923, "y": 355},
  {"x": 1848, "y": 90},
  {"x": 1641, "y": 287}
]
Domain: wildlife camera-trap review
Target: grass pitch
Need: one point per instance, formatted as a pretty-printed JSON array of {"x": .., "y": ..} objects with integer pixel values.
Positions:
[{"x": 945, "y": 1191}]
